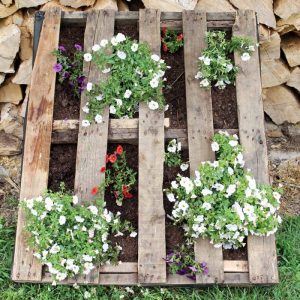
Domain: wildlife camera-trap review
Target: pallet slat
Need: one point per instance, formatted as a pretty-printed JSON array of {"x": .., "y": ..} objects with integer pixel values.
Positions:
[
  {"x": 261, "y": 250},
  {"x": 200, "y": 129},
  {"x": 151, "y": 246},
  {"x": 37, "y": 141},
  {"x": 92, "y": 140}
]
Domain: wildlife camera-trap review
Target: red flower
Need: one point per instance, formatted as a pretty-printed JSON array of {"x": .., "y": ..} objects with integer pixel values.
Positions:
[
  {"x": 164, "y": 30},
  {"x": 128, "y": 195},
  {"x": 94, "y": 190},
  {"x": 112, "y": 158},
  {"x": 179, "y": 37},
  {"x": 119, "y": 150},
  {"x": 106, "y": 159},
  {"x": 102, "y": 169},
  {"x": 124, "y": 189},
  {"x": 165, "y": 47}
]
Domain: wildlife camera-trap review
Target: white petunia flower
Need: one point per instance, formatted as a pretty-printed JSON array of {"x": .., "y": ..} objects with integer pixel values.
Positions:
[
  {"x": 219, "y": 187},
  {"x": 174, "y": 185},
  {"x": 206, "y": 192},
  {"x": 62, "y": 220},
  {"x": 93, "y": 209},
  {"x": 75, "y": 199},
  {"x": 96, "y": 47},
  {"x": 48, "y": 204},
  {"x": 54, "y": 249},
  {"x": 61, "y": 276},
  {"x": 154, "y": 82},
  {"x": 112, "y": 109},
  {"x": 99, "y": 97},
  {"x": 155, "y": 57},
  {"x": 153, "y": 105},
  {"x": 206, "y": 61},
  {"x": 204, "y": 83},
  {"x": 206, "y": 206},
  {"x": 87, "y": 295},
  {"x": 233, "y": 143},
  {"x": 114, "y": 41},
  {"x": 248, "y": 192},
  {"x": 121, "y": 54},
  {"x": 119, "y": 102},
  {"x": 103, "y": 43},
  {"x": 166, "y": 107},
  {"x": 98, "y": 119},
  {"x": 105, "y": 247},
  {"x": 86, "y": 257},
  {"x": 199, "y": 219},
  {"x": 133, "y": 234},
  {"x": 79, "y": 219},
  {"x": 127, "y": 94},
  {"x": 183, "y": 206},
  {"x": 134, "y": 47},
  {"x": 245, "y": 56},
  {"x": 229, "y": 67},
  {"x": 89, "y": 86},
  {"x": 120, "y": 37},
  {"x": 86, "y": 109},
  {"x": 230, "y": 190},
  {"x": 171, "y": 197},
  {"x": 277, "y": 196},
  {"x": 85, "y": 123},
  {"x": 87, "y": 56},
  {"x": 187, "y": 184},
  {"x": 248, "y": 209},
  {"x": 184, "y": 167},
  {"x": 215, "y": 146},
  {"x": 199, "y": 75},
  {"x": 230, "y": 171}
]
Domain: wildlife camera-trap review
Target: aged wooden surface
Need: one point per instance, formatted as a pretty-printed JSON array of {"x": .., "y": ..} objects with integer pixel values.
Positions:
[
  {"x": 37, "y": 141},
  {"x": 261, "y": 250},
  {"x": 200, "y": 129},
  {"x": 152, "y": 243},
  {"x": 92, "y": 140}
]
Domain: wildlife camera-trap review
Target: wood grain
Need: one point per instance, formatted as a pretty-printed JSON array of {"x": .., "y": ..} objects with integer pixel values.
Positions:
[
  {"x": 261, "y": 250},
  {"x": 200, "y": 129},
  {"x": 92, "y": 140},
  {"x": 152, "y": 243},
  {"x": 37, "y": 141}
]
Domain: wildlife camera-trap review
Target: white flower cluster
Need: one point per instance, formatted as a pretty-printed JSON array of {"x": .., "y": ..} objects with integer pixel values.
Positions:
[
  {"x": 126, "y": 54},
  {"x": 71, "y": 239},
  {"x": 223, "y": 202}
]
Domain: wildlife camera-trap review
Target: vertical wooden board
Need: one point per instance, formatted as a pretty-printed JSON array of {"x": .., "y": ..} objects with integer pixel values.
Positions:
[
  {"x": 92, "y": 140},
  {"x": 200, "y": 128},
  {"x": 152, "y": 244},
  {"x": 261, "y": 250},
  {"x": 37, "y": 140}
]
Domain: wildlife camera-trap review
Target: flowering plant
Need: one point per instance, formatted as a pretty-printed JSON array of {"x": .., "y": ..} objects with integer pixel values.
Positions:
[
  {"x": 171, "y": 40},
  {"x": 136, "y": 76},
  {"x": 68, "y": 238},
  {"x": 173, "y": 156},
  {"x": 119, "y": 177},
  {"x": 69, "y": 68},
  {"x": 223, "y": 202},
  {"x": 215, "y": 65},
  {"x": 181, "y": 262}
]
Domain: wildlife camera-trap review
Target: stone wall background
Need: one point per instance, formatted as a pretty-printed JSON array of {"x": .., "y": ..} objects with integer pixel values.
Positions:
[{"x": 279, "y": 34}]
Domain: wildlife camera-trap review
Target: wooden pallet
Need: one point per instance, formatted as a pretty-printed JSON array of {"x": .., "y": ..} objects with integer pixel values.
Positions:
[{"x": 150, "y": 132}]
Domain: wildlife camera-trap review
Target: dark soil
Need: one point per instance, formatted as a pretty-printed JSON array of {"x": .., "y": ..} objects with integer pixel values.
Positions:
[
  {"x": 129, "y": 209},
  {"x": 224, "y": 107},
  {"x": 62, "y": 167},
  {"x": 239, "y": 254},
  {"x": 67, "y": 104},
  {"x": 174, "y": 92},
  {"x": 130, "y": 30},
  {"x": 174, "y": 234},
  {"x": 135, "y": 4}
]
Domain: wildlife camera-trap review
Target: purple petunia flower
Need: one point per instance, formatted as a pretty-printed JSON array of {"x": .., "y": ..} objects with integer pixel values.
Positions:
[
  {"x": 78, "y": 47},
  {"x": 81, "y": 79},
  {"x": 66, "y": 75},
  {"x": 62, "y": 48},
  {"x": 193, "y": 277},
  {"x": 57, "y": 68},
  {"x": 193, "y": 269}
]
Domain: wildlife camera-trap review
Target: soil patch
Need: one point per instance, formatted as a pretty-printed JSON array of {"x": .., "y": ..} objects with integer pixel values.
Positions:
[
  {"x": 238, "y": 254},
  {"x": 67, "y": 104},
  {"x": 174, "y": 91},
  {"x": 135, "y": 4},
  {"x": 62, "y": 167},
  {"x": 129, "y": 209},
  {"x": 224, "y": 107}
]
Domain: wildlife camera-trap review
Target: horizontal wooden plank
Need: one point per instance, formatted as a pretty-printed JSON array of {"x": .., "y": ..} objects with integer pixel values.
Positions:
[
  {"x": 236, "y": 266},
  {"x": 125, "y": 267},
  {"x": 80, "y": 16},
  {"x": 66, "y": 131}
]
